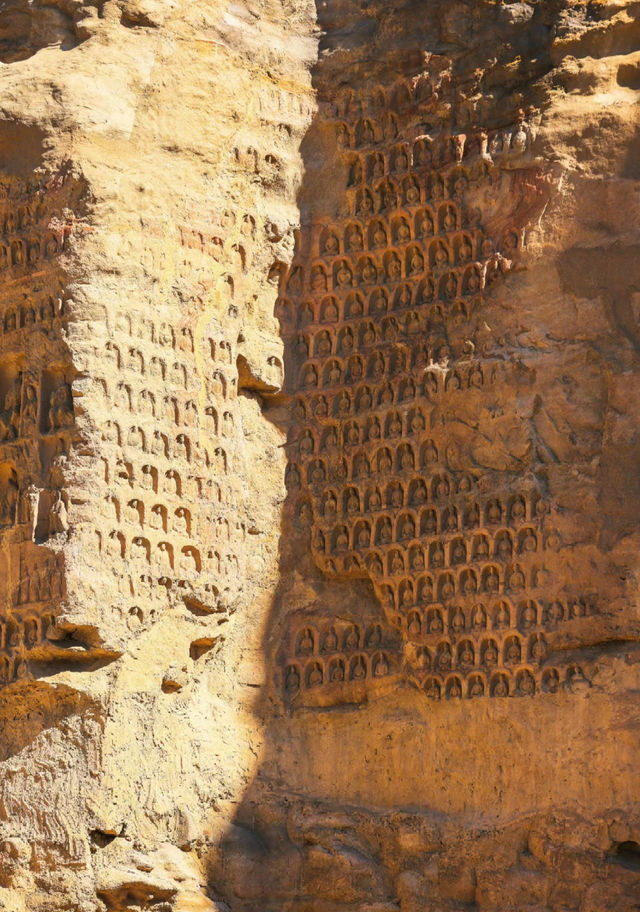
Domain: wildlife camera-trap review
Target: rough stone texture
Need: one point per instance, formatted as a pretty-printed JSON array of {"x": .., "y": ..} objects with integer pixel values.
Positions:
[{"x": 319, "y": 483}]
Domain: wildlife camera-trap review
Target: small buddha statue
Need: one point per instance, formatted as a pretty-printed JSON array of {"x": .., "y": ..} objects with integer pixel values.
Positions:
[
  {"x": 458, "y": 621},
  {"x": 331, "y": 245},
  {"x": 512, "y": 655},
  {"x": 475, "y": 688},
  {"x": 490, "y": 657},
  {"x": 330, "y": 641},
  {"x": 382, "y": 667},
  {"x": 444, "y": 657},
  {"x": 500, "y": 688},
  {"x": 58, "y": 517},
  {"x": 404, "y": 233},
  {"x": 292, "y": 681},
  {"x": 432, "y": 690},
  {"x": 435, "y": 623}
]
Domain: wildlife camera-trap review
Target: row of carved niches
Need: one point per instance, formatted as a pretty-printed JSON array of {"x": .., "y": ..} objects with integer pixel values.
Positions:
[
  {"x": 161, "y": 333},
  {"x": 327, "y": 463},
  {"x": 368, "y": 318},
  {"x": 383, "y": 319},
  {"x": 35, "y": 311},
  {"x": 385, "y": 541},
  {"x": 410, "y": 585},
  {"x": 321, "y": 411},
  {"x": 32, "y": 253},
  {"x": 432, "y": 104},
  {"x": 359, "y": 449},
  {"x": 416, "y": 589},
  {"x": 428, "y": 622},
  {"x": 208, "y": 595},
  {"x": 502, "y": 664},
  {"x": 32, "y": 505},
  {"x": 386, "y": 494},
  {"x": 395, "y": 282},
  {"x": 416, "y": 264},
  {"x": 465, "y": 512},
  {"x": 372, "y": 319},
  {"x": 448, "y": 223},
  {"x": 522, "y": 682},
  {"x": 369, "y": 413},
  {"x": 339, "y": 675},
  {"x": 517, "y": 630},
  {"x": 33, "y": 403},
  {"x": 378, "y": 502},
  {"x": 337, "y": 652},
  {"x": 426, "y": 157},
  {"x": 406, "y": 258},
  {"x": 419, "y": 209},
  {"x": 34, "y": 587},
  {"x": 447, "y": 195},
  {"x": 397, "y": 374},
  {"x": 35, "y": 222},
  {"x": 339, "y": 669}
]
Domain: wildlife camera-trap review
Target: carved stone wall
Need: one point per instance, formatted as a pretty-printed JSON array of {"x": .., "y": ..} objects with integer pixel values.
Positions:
[
  {"x": 455, "y": 632},
  {"x": 411, "y": 462},
  {"x": 140, "y": 485},
  {"x": 37, "y": 421},
  {"x": 319, "y": 475}
]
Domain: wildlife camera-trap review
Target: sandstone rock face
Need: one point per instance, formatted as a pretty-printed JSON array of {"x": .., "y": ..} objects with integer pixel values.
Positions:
[{"x": 319, "y": 498}]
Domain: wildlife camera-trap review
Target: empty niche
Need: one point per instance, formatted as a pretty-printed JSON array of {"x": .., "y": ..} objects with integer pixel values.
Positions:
[{"x": 46, "y": 501}]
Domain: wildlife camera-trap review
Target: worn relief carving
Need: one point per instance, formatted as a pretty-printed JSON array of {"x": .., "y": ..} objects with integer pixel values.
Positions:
[
  {"x": 408, "y": 464},
  {"x": 37, "y": 424},
  {"x": 318, "y": 456}
]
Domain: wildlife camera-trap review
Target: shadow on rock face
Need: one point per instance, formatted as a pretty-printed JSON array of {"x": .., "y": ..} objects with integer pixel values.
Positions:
[
  {"x": 26, "y": 28},
  {"x": 28, "y": 709}
]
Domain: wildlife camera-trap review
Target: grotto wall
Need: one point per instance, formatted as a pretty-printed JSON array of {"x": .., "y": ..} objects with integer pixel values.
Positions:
[{"x": 319, "y": 475}]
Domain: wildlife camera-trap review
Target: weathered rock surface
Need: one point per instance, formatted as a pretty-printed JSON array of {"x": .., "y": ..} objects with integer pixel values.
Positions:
[{"x": 319, "y": 498}]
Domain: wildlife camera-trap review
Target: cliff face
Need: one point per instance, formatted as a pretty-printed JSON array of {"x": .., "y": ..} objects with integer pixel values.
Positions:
[{"x": 319, "y": 476}]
